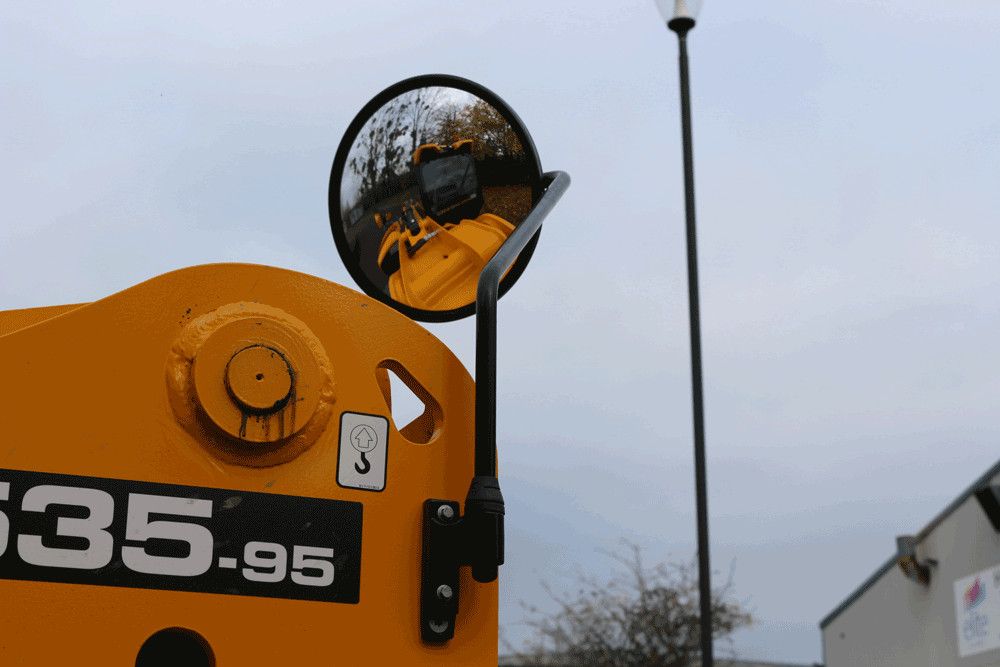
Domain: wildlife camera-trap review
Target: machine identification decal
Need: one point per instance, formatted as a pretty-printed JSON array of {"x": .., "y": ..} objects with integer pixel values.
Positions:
[
  {"x": 112, "y": 532},
  {"x": 364, "y": 446}
]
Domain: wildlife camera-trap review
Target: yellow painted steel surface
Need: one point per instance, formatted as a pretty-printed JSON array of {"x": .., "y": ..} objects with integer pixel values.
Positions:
[{"x": 142, "y": 386}]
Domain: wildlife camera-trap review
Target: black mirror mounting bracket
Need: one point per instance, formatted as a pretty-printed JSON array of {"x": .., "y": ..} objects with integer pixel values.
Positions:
[{"x": 450, "y": 539}]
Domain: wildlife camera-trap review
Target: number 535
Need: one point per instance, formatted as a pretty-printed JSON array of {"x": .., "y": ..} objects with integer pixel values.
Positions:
[{"x": 139, "y": 528}]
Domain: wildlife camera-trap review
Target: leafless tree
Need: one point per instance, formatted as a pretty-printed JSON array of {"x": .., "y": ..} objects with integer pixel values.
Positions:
[
  {"x": 382, "y": 154},
  {"x": 419, "y": 109},
  {"x": 641, "y": 617},
  {"x": 378, "y": 153}
]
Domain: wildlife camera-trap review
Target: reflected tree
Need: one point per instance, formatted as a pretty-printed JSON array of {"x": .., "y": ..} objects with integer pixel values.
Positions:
[
  {"x": 383, "y": 152},
  {"x": 381, "y": 157},
  {"x": 494, "y": 136},
  {"x": 377, "y": 153},
  {"x": 420, "y": 109}
]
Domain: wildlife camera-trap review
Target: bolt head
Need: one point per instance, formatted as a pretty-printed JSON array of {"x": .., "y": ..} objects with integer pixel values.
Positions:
[
  {"x": 438, "y": 627},
  {"x": 446, "y": 513},
  {"x": 444, "y": 592}
]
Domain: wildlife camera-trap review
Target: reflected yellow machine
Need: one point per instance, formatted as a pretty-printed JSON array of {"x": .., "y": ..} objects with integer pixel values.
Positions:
[{"x": 434, "y": 252}]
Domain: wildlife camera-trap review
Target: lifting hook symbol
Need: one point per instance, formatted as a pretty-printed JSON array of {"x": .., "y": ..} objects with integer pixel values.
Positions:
[{"x": 364, "y": 439}]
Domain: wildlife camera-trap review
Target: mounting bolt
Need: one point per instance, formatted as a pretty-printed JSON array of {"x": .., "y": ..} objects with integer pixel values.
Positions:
[
  {"x": 438, "y": 627},
  {"x": 444, "y": 592},
  {"x": 446, "y": 513}
]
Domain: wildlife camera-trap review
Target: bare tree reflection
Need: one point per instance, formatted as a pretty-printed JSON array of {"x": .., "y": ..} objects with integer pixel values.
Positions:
[{"x": 381, "y": 157}]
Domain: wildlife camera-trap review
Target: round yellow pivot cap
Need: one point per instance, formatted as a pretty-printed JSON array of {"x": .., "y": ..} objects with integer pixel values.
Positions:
[{"x": 259, "y": 379}]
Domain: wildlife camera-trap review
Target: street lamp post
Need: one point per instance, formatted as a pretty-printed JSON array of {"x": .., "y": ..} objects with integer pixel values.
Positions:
[{"x": 680, "y": 17}]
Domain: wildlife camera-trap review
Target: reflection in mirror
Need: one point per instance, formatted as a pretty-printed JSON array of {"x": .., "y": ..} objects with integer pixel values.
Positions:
[{"x": 434, "y": 183}]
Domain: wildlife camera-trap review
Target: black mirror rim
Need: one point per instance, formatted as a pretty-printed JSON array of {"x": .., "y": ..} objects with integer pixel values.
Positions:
[{"x": 337, "y": 173}]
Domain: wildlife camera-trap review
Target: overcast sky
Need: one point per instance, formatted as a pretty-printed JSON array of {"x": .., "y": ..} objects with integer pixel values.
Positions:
[{"x": 847, "y": 158}]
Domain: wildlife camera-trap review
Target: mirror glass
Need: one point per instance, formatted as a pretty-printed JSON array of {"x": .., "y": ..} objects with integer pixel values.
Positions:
[{"x": 428, "y": 183}]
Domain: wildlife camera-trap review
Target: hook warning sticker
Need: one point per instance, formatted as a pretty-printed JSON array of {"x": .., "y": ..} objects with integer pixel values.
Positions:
[{"x": 364, "y": 446}]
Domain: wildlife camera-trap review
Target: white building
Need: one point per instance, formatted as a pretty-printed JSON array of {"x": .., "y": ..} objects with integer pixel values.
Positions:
[{"x": 936, "y": 602}]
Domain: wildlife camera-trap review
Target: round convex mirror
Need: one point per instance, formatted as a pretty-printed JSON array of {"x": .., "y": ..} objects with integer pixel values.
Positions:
[{"x": 430, "y": 179}]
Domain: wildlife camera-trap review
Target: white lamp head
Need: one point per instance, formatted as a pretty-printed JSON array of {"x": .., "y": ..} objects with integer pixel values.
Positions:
[{"x": 678, "y": 9}]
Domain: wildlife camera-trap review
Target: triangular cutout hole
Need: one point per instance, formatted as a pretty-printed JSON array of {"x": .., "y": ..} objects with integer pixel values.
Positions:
[{"x": 415, "y": 413}]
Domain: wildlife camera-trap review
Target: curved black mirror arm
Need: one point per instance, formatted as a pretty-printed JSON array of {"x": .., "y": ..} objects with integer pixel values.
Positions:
[{"x": 484, "y": 506}]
